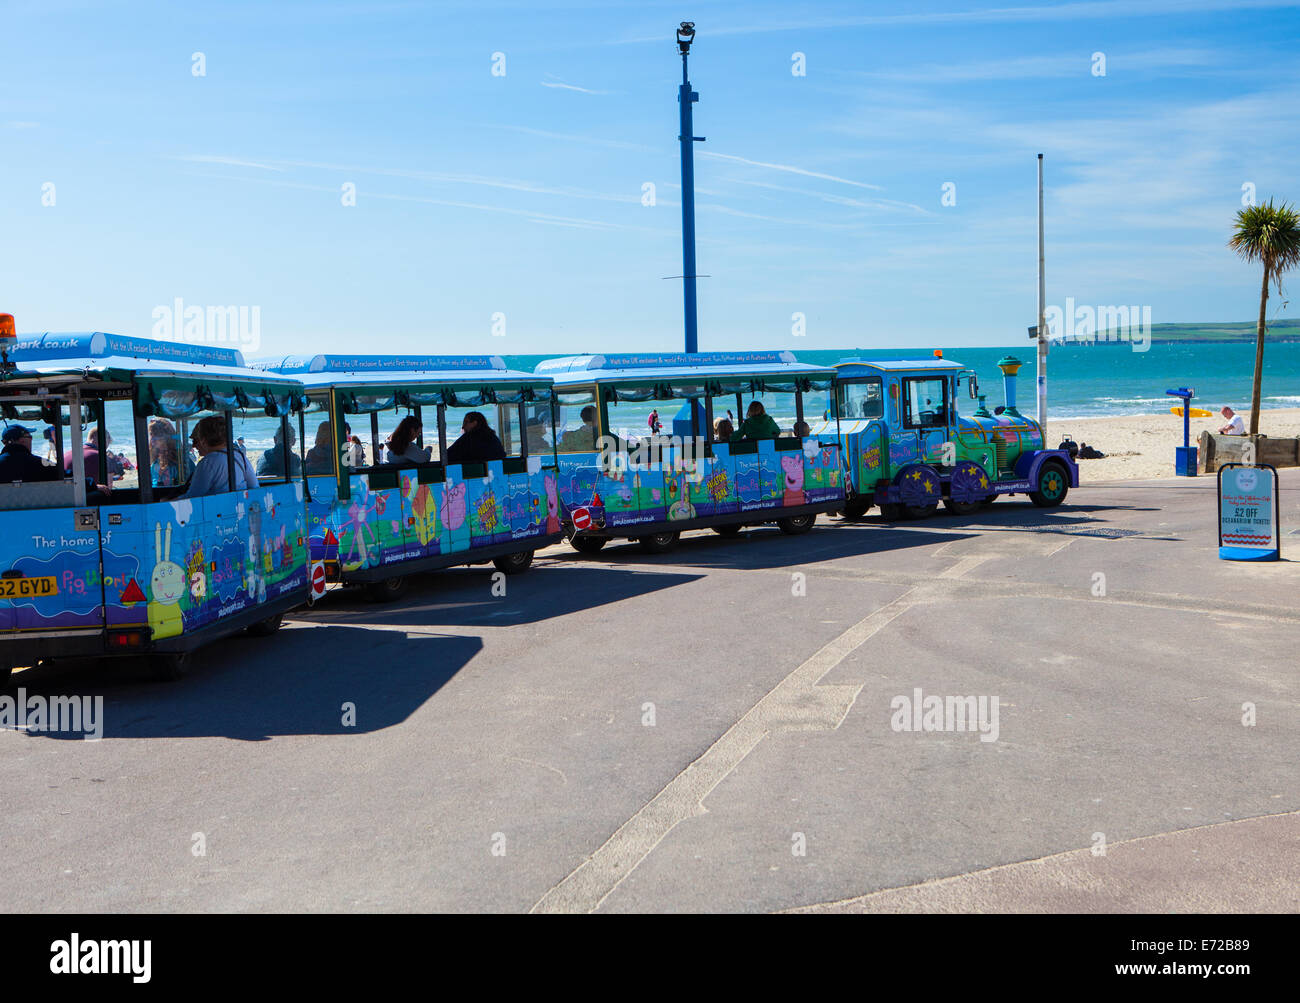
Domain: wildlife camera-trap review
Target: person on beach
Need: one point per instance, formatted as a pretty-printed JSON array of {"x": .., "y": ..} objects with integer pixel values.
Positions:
[
  {"x": 758, "y": 424},
  {"x": 1235, "y": 425},
  {"x": 653, "y": 422}
]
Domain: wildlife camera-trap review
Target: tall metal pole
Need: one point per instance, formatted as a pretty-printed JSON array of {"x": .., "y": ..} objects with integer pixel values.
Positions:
[
  {"x": 1042, "y": 314},
  {"x": 687, "y": 97}
]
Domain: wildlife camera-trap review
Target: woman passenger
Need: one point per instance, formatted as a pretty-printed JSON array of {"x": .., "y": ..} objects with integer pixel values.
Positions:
[
  {"x": 164, "y": 458},
  {"x": 723, "y": 430},
  {"x": 401, "y": 444},
  {"x": 320, "y": 458},
  {"x": 478, "y": 444}
]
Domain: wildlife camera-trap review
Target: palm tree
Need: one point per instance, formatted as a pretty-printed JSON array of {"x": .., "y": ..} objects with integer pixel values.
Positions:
[{"x": 1271, "y": 235}]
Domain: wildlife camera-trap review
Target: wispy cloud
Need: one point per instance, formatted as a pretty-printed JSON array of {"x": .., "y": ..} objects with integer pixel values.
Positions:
[
  {"x": 557, "y": 83},
  {"x": 789, "y": 169},
  {"x": 613, "y": 144},
  {"x": 843, "y": 200},
  {"x": 1061, "y": 65},
  {"x": 201, "y": 158}
]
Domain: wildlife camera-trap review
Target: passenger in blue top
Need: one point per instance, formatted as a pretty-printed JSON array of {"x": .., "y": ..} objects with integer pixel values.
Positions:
[{"x": 211, "y": 476}]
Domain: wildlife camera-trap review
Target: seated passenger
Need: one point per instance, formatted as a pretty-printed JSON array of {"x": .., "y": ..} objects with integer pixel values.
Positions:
[
  {"x": 89, "y": 452},
  {"x": 17, "y": 464},
  {"x": 801, "y": 430},
  {"x": 271, "y": 463},
  {"x": 320, "y": 458},
  {"x": 211, "y": 474},
  {"x": 535, "y": 433},
  {"x": 401, "y": 444},
  {"x": 723, "y": 430},
  {"x": 478, "y": 444},
  {"x": 758, "y": 424},
  {"x": 581, "y": 440},
  {"x": 164, "y": 459}
]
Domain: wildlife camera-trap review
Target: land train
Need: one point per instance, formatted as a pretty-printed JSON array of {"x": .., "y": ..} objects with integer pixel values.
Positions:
[{"x": 104, "y": 557}]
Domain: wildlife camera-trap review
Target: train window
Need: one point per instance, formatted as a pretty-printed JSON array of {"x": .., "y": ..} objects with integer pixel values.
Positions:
[
  {"x": 262, "y": 440},
  {"x": 861, "y": 400},
  {"x": 119, "y": 459},
  {"x": 925, "y": 402},
  {"x": 578, "y": 425},
  {"x": 170, "y": 460}
]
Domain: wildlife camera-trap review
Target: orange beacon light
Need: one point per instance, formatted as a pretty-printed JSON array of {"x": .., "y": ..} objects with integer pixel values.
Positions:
[{"x": 7, "y": 329}]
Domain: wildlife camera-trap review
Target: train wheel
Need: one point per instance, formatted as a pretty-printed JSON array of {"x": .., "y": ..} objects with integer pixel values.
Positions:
[
  {"x": 989, "y": 500},
  {"x": 961, "y": 508},
  {"x": 172, "y": 666},
  {"x": 267, "y": 627},
  {"x": 795, "y": 524},
  {"x": 1053, "y": 486},
  {"x": 920, "y": 511},
  {"x": 588, "y": 544},
  {"x": 658, "y": 543},
  {"x": 891, "y": 511},
  {"x": 513, "y": 564},
  {"x": 857, "y": 506},
  {"x": 387, "y": 590},
  {"x": 731, "y": 529}
]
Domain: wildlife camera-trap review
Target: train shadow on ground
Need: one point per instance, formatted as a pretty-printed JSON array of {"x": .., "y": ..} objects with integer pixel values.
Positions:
[
  {"x": 296, "y": 682},
  {"x": 469, "y": 597}
]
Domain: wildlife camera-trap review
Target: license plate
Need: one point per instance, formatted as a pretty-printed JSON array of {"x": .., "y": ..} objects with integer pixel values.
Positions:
[{"x": 28, "y": 588}]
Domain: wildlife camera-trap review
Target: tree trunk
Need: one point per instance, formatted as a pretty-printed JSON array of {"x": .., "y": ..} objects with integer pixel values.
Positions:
[{"x": 1259, "y": 353}]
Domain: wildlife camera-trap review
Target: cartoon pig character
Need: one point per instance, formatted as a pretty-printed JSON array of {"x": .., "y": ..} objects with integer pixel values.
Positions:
[
  {"x": 792, "y": 466},
  {"x": 453, "y": 506},
  {"x": 552, "y": 506}
]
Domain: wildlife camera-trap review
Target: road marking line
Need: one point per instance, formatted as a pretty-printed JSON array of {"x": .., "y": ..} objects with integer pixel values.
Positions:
[{"x": 795, "y": 703}]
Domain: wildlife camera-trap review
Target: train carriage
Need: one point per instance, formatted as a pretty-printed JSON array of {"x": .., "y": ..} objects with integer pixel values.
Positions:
[
  {"x": 374, "y": 522},
  {"x": 907, "y": 449},
  {"x": 112, "y": 558},
  {"x": 621, "y": 478}
]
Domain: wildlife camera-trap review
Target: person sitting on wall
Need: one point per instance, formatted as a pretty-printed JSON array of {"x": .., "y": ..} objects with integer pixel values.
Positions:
[
  {"x": 401, "y": 444},
  {"x": 1235, "y": 425},
  {"x": 271, "y": 463},
  {"x": 758, "y": 424},
  {"x": 477, "y": 444},
  {"x": 211, "y": 475}
]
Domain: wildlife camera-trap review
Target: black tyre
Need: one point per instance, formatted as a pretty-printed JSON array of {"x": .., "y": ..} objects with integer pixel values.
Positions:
[
  {"x": 513, "y": 564},
  {"x": 920, "y": 511},
  {"x": 961, "y": 508},
  {"x": 857, "y": 506},
  {"x": 386, "y": 590},
  {"x": 658, "y": 543},
  {"x": 588, "y": 544},
  {"x": 168, "y": 668},
  {"x": 891, "y": 512},
  {"x": 794, "y": 525},
  {"x": 1053, "y": 486},
  {"x": 267, "y": 627},
  {"x": 989, "y": 500},
  {"x": 731, "y": 529}
]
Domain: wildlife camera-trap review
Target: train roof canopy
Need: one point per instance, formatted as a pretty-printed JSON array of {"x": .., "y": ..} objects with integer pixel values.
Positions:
[
  {"x": 899, "y": 365},
  {"x": 770, "y": 367}
]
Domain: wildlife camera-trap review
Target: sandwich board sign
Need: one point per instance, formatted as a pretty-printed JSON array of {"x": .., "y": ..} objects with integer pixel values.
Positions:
[{"x": 1249, "y": 510}]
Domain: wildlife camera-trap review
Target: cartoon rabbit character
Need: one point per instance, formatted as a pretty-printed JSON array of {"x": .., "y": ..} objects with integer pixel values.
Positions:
[
  {"x": 552, "y": 506},
  {"x": 167, "y": 585}
]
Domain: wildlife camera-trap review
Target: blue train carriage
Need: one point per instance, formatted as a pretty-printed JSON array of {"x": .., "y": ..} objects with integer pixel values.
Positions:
[
  {"x": 376, "y": 519},
  {"x": 106, "y": 552},
  {"x": 907, "y": 449},
  {"x": 621, "y": 479}
]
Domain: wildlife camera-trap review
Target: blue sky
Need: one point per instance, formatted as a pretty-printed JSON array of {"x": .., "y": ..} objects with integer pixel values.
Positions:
[{"x": 521, "y": 194}]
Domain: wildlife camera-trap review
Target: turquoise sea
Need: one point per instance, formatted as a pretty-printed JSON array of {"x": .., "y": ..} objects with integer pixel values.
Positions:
[{"x": 1099, "y": 380}]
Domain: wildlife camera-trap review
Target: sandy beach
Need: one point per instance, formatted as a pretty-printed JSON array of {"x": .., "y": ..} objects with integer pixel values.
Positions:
[{"x": 1142, "y": 446}]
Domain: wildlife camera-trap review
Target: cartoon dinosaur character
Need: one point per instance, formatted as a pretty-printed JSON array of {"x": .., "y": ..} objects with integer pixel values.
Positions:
[
  {"x": 166, "y": 586},
  {"x": 552, "y": 505},
  {"x": 792, "y": 464}
]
